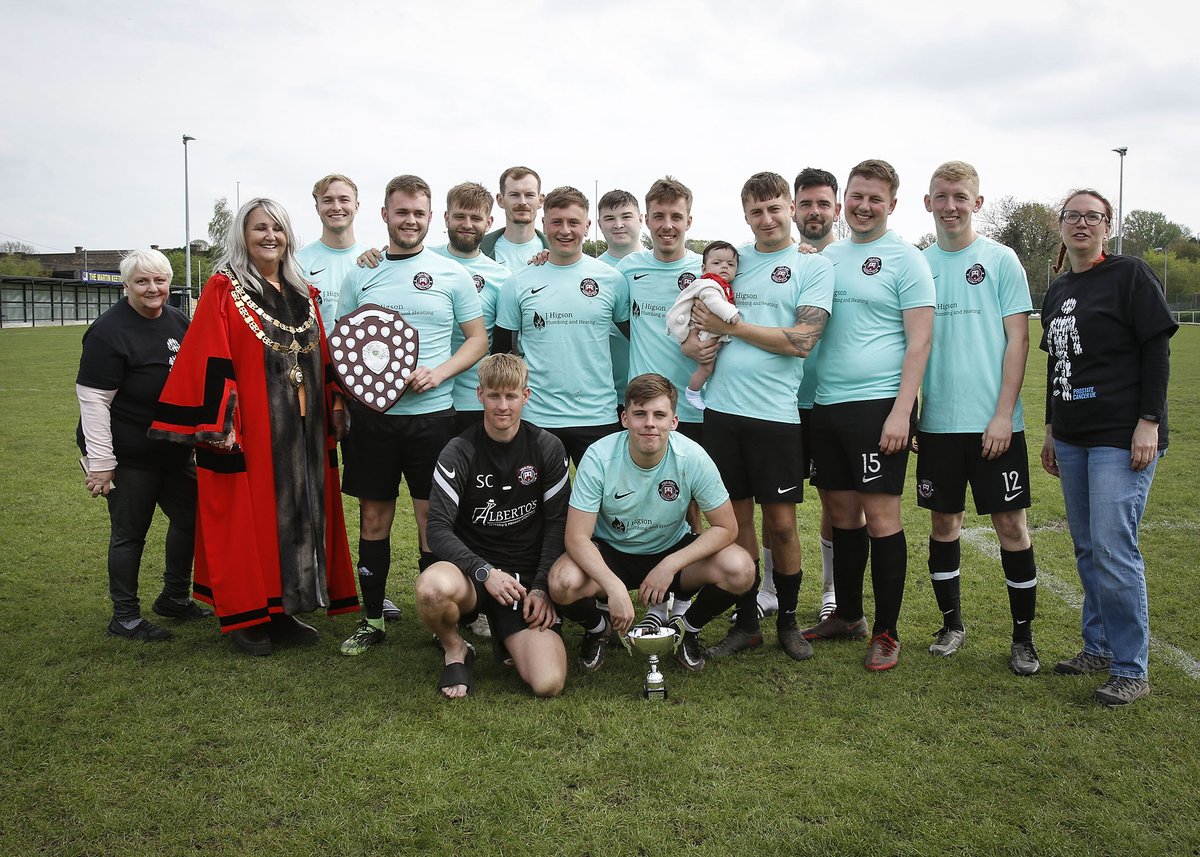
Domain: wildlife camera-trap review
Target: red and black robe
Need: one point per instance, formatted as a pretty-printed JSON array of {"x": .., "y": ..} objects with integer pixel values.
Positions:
[{"x": 270, "y": 532}]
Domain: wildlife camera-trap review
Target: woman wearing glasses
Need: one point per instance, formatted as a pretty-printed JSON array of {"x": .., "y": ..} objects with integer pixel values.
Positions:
[{"x": 1106, "y": 329}]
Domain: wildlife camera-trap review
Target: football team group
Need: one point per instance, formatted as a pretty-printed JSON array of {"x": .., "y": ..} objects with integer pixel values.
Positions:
[{"x": 691, "y": 392}]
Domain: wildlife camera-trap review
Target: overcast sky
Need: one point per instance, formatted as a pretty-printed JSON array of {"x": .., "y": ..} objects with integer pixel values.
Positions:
[{"x": 1035, "y": 94}]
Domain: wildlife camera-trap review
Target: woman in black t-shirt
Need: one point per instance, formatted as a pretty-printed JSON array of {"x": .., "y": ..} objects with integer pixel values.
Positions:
[
  {"x": 127, "y": 354},
  {"x": 1106, "y": 329}
]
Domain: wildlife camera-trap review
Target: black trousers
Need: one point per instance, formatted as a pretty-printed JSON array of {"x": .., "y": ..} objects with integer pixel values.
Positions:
[{"x": 131, "y": 509}]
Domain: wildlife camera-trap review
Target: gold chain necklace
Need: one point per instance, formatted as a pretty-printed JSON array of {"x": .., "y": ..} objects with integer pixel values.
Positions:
[{"x": 241, "y": 299}]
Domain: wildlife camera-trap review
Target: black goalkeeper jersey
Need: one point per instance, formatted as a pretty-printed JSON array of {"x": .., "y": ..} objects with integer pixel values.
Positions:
[{"x": 500, "y": 504}]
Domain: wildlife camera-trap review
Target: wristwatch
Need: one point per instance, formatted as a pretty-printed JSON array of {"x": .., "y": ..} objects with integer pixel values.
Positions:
[{"x": 482, "y": 573}]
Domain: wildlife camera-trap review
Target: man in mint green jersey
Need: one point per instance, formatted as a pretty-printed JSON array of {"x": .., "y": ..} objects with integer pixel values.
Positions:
[
  {"x": 654, "y": 278},
  {"x": 468, "y": 217},
  {"x": 621, "y": 224},
  {"x": 627, "y": 529},
  {"x": 751, "y": 423},
  {"x": 872, "y": 358},
  {"x": 817, "y": 212},
  {"x": 327, "y": 262},
  {"x": 972, "y": 423},
  {"x": 562, "y": 312},
  {"x": 520, "y": 197},
  {"x": 435, "y": 295}
]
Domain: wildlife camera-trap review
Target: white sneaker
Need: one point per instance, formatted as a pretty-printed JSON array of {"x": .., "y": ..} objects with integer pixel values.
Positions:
[{"x": 480, "y": 627}]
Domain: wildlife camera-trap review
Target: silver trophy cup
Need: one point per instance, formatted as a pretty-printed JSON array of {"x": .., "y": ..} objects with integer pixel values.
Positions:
[{"x": 661, "y": 641}]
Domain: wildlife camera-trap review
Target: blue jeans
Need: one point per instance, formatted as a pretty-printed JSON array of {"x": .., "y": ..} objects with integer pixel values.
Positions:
[{"x": 1105, "y": 501}]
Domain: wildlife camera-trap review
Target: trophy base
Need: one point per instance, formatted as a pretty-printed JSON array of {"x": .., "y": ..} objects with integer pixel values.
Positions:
[{"x": 658, "y": 693}]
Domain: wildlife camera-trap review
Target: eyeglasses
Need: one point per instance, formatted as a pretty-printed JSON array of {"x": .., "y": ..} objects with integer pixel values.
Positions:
[{"x": 1092, "y": 218}]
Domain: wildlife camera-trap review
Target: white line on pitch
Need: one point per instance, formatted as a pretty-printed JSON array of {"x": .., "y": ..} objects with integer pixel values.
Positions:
[{"x": 983, "y": 539}]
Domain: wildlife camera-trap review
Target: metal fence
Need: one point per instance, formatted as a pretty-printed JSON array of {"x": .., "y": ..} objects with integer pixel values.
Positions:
[{"x": 41, "y": 301}]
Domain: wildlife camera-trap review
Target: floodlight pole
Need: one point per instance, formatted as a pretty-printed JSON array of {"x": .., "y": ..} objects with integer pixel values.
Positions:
[
  {"x": 1165, "y": 250},
  {"x": 1121, "y": 150},
  {"x": 187, "y": 222}
]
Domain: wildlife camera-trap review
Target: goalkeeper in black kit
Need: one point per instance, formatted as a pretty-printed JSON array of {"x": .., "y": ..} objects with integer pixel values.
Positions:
[{"x": 497, "y": 514}]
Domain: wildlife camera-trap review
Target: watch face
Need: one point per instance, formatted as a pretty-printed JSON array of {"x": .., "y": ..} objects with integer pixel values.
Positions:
[{"x": 481, "y": 574}]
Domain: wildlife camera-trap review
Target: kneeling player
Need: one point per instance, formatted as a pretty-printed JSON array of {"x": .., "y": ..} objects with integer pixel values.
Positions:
[
  {"x": 496, "y": 517},
  {"x": 627, "y": 529}
]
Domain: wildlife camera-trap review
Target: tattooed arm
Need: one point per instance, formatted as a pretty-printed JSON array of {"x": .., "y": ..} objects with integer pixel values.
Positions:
[{"x": 795, "y": 341}]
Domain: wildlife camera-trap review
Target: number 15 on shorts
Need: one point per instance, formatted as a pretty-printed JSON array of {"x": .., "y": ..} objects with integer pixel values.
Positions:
[{"x": 872, "y": 467}]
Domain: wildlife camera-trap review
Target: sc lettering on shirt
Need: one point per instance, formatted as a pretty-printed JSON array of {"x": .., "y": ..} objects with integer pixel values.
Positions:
[{"x": 484, "y": 480}]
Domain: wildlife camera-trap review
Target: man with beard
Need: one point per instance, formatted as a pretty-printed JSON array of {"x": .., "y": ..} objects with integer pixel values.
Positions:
[
  {"x": 468, "y": 216},
  {"x": 519, "y": 241},
  {"x": 817, "y": 211},
  {"x": 435, "y": 295}
]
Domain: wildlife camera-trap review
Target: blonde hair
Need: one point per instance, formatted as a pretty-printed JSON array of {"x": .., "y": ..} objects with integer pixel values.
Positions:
[
  {"x": 503, "y": 372},
  {"x": 957, "y": 171}
]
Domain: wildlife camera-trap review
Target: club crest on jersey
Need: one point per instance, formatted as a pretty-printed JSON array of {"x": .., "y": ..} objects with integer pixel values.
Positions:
[
  {"x": 686, "y": 279},
  {"x": 635, "y": 309},
  {"x": 668, "y": 489},
  {"x": 423, "y": 281},
  {"x": 478, "y": 281},
  {"x": 781, "y": 274},
  {"x": 527, "y": 475},
  {"x": 925, "y": 488},
  {"x": 618, "y": 525},
  {"x": 589, "y": 287},
  {"x": 538, "y": 321},
  {"x": 975, "y": 274},
  {"x": 872, "y": 266}
]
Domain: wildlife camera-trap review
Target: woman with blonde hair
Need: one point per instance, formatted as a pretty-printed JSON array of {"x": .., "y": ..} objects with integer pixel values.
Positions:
[{"x": 253, "y": 390}]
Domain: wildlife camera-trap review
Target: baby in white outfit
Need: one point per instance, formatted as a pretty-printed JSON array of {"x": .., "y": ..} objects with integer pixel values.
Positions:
[{"x": 720, "y": 264}]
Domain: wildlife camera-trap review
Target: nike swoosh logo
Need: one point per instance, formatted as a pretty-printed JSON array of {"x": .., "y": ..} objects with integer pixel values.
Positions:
[
  {"x": 620, "y": 496},
  {"x": 1008, "y": 498},
  {"x": 872, "y": 478},
  {"x": 449, "y": 473},
  {"x": 314, "y": 273},
  {"x": 1021, "y": 621},
  {"x": 639, "y": 276},
  {"x": 535, "y": 291},
  {"x": 787, "y": 489}
]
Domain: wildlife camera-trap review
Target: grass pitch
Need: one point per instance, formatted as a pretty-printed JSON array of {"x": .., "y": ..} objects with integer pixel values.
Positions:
[{"x": 109, "y": 747}]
